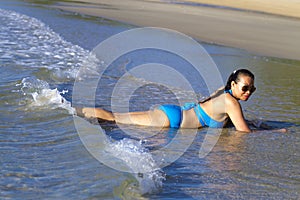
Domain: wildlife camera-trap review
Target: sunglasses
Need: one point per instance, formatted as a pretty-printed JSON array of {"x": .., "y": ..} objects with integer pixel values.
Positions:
[{"x": 246, "y": 88}]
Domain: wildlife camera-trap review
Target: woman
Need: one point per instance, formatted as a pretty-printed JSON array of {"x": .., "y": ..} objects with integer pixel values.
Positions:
[{"x": 213, "y": 111}]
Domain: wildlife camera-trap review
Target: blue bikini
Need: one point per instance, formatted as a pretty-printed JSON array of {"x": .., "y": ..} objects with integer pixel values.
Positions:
[{"x": 174, "y": 114}]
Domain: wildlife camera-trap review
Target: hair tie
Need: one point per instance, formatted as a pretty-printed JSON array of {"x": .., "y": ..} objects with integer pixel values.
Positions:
[{"x": 234, "y": 71}]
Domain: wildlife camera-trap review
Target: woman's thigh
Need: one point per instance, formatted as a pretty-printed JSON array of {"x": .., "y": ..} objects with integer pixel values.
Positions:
[{"x": 146, "y": 118}]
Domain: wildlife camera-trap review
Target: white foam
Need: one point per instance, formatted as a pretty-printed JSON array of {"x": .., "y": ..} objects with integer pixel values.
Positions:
[
  {"x": 30, "y": 43},
  {"x": 141, "y": 163},
  {"x": 44, "y": 97}
]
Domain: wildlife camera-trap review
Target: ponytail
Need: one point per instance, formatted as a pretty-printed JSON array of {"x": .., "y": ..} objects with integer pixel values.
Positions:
[{"x": 234, "y": 76}]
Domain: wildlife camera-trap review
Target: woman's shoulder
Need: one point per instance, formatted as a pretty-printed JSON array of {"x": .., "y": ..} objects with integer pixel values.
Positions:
[
  {"x": 230, "y": 100},
  {"x": 223, "y": 100}
]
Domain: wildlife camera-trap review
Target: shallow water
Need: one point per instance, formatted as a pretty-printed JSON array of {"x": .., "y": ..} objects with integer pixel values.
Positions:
[{"x": 43, "y": 156}]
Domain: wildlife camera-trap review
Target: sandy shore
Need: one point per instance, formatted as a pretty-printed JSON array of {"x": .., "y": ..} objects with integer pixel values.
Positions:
[
  {"x": 289, "y": 8},
  {"x": 261, "y": 34}
]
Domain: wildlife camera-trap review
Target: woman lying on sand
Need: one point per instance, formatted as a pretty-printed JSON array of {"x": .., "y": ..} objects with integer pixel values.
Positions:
[{"x": 212, "y": 112}]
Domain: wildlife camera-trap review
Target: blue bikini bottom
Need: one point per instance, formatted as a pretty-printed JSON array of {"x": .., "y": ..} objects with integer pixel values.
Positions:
[{"x": 174, "y": 114}]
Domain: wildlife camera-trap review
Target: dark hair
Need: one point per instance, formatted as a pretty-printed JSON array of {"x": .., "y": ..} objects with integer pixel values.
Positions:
[{"x": 235, "y": 75}]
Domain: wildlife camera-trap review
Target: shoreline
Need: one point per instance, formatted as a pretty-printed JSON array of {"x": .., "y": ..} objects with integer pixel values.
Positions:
[
  {"x": 284, "y": 8},
  {"x": 258, "y": 33}
]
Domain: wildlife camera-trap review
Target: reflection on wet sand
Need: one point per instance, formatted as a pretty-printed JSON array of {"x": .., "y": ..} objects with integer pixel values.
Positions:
[{"x": 226, "y": 155}]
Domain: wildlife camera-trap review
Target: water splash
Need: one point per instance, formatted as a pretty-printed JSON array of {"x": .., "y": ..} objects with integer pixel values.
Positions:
[
  {"x": 126, "y": 155},
  {"x": 43, "y": 96},
  {"x": 141, "y": 163}
]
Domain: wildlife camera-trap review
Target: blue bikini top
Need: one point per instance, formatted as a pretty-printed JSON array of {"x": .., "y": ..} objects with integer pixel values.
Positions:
[
  {"x": 203, "y": 118},
  {"x": 228, "y": 91}
]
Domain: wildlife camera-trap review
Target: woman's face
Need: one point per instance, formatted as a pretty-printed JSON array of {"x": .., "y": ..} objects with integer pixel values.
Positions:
[{"x": 243, "y": 88}]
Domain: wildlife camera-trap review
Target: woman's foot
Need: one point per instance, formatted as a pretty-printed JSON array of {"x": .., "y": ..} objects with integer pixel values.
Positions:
[
  {"x": 79, "y": 112},
  {"x": 95, "y": 113},
  {"x": 85, "y": 112}
]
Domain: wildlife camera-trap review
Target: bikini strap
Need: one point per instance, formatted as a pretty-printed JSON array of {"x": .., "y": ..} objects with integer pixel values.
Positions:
[
  {"x": 198, "y": 110},
  {"x": 188, "y": 105},
  {"x": 228, "y": 91}
]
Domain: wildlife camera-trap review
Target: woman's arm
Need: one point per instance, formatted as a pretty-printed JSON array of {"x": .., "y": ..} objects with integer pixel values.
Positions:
[
  {"x": 235, "y": 113},
  {"x": 236, "y": 116},
  {"x": 264, "y": 127}
]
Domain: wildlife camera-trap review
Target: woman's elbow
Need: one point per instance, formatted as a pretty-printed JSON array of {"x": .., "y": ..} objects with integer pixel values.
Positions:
[{"x": 244, "y": 130}]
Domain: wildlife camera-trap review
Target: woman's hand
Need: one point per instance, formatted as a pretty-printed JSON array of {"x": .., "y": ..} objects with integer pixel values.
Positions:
[
  {"x": 281, "y": 130},
  {"x": 262, "y": 126}
]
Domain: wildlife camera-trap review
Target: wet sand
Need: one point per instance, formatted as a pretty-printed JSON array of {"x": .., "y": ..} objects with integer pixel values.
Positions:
[
  {"x": 259, "y": 33},
  {"x": 289, "y": 8}
]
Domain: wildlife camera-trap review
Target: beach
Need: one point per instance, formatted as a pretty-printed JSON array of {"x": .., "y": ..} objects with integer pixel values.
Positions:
[
  {"x": 48, "y": 152},
  {"x": 289, "y": 8},
  {"x": 268, "y": 29}
]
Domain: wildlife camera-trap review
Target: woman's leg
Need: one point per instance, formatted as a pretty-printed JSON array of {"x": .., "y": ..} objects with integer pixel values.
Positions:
[
  {"x": 146, "y": 118},
  {"x": 95, "y": 113}
]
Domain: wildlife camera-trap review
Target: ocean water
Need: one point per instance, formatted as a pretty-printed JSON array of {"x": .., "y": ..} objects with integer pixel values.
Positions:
[{"x": 42, "y": 144}]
